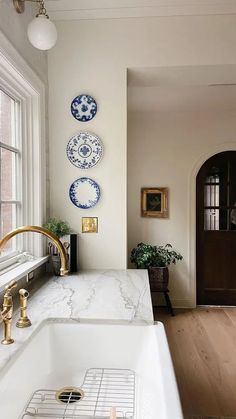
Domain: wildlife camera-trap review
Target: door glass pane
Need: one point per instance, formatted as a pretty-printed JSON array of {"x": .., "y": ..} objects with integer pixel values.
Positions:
[
  {"x": 7, "y": 175},
  {"x": 232, "y": 183},
  {"x": 7, "y": 119},
  {"x": 218, "y": 174},
  {"x": 215, "y": 219},
  {"x": 212, "y": 195},
  {"x": 223, "y": 220},
  {"x": 216, "y": 190},
  {"x": 233, "y": 219},
  {"x": 211, "y": 219},
  {"x": 213, "y": 178},
  {"x": 8, "y": 223}
]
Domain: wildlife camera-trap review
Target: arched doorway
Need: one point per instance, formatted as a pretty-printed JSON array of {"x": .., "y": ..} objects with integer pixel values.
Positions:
[{"x": 216, "y": 230}]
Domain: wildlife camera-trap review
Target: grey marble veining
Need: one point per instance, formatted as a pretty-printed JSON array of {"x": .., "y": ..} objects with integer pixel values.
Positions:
[{"x": 108, "y": 295}]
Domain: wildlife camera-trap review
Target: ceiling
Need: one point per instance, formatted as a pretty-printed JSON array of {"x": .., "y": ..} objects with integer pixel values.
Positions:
[
  {"x": 163, "y": 89},
  {"x": 182, "y": 98},
  {"x": 188, "y": 75},
  {"x": 178, "y": 89},
  {"x": 115, "y": 9}
]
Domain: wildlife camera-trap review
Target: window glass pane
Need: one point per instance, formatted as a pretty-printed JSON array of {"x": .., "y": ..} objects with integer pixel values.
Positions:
[
  {"x": 8, "y": 190},
  {"x": 7, "y": 119},
  {"x": 8, "y": 223}
]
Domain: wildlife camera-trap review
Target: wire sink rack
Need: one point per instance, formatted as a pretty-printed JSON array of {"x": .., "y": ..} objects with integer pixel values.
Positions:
[{"x": 103, "y": 389}]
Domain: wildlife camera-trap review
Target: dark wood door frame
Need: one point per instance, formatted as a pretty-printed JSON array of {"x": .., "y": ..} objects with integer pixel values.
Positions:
[{"x": 216, "y": 232}]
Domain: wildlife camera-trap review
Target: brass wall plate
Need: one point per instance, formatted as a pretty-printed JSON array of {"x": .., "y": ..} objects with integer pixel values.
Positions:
[
  {"x": 19, "y": 5},
  {"x": 89, "y": 224}
]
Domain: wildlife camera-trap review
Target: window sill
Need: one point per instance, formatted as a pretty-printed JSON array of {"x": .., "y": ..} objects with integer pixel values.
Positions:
[{"x": 20, "y": 271}]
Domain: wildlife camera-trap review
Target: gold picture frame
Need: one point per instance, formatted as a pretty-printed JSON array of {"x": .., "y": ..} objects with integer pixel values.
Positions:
[
  {"x": 154, "y": 202},
  {"x": 89, "y": 224}
]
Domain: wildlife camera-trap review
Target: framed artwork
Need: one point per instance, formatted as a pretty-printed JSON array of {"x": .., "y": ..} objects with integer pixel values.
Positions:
[
  {"x": 154, "y": 202},
  {"x": 89, "y": 224}
]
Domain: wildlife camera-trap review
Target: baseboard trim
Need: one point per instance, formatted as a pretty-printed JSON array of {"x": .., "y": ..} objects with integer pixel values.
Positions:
[
  {"x": 214, "y": 306},
  {"x": 209, "y": 417},
  {"x": 179, "y": 303}
]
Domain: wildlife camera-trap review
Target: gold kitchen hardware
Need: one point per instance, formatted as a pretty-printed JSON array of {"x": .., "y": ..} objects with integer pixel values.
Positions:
[
  {"x": 68, "y": 395},
  {"x": 6, "y": 313},
  {"x": 23, "y": 321},
  {"x": 89, "y": 224},
  {"x": 36, "y": 229}
]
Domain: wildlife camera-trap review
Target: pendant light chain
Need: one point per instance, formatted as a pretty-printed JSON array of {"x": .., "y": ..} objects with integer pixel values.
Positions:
[{"x": 42, "y": 9}]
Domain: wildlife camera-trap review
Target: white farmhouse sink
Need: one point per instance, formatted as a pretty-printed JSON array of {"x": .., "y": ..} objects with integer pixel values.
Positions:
[{"x": 59, "y": 353}]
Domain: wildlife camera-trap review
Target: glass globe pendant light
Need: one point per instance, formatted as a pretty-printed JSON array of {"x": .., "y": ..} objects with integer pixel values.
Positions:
[{"x": 42, "y": 32}]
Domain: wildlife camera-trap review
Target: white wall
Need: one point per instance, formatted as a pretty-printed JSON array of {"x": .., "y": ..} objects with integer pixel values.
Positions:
[
  {"x": 14, "y": 27},
  {"x": 92, "y": 56},
  {"x": 165, "y": 149}
]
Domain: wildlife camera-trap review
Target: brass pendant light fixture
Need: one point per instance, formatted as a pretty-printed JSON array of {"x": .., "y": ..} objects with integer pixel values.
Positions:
[{"x": 42, "y": 31}]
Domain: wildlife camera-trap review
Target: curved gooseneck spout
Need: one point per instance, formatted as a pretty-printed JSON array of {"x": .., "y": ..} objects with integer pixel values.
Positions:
[{"x": 37, "y": 229}]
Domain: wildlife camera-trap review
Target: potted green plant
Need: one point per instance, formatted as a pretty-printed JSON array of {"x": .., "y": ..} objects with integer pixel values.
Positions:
[
  {"x": 60, "y": 228},
  {"x": 156, "y": 259}
]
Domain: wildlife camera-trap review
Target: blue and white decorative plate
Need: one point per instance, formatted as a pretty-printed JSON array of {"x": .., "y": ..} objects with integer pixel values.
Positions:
[
  {"x": 84, "y": 193},
  {"x": 84, "y": 150},
  {"x": 83, "y": 108}
]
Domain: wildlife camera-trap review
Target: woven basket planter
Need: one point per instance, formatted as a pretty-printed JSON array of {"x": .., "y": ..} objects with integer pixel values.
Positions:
[{"x": 158, "y": 278}]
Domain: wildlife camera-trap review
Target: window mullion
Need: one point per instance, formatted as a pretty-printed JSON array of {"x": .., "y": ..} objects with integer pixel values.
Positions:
[
  {"x": 9, "y": 147},
  {"x": 2, "y": 201}
]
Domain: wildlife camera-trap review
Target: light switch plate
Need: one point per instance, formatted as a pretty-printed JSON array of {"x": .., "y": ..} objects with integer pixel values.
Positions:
[{"x": 89, "y": 224}]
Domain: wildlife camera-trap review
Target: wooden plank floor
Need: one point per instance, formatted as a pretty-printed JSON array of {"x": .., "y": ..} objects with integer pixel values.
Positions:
[{"x": 203, "y": 348}]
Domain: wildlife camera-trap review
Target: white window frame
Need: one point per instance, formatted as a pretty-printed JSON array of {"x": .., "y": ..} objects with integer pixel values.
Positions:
[{"x": 19, "y": 80}]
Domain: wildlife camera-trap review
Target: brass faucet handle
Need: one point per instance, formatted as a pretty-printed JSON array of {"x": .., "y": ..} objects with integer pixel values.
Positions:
[
  {"x": 10, "y": 286},
  {"x": 6, "y": 313},
  {"x": 7, "y": 298}
]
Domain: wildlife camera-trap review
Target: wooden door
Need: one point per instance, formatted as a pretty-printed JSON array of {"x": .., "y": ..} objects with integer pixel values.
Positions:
[{"x": 216, "y": 230}]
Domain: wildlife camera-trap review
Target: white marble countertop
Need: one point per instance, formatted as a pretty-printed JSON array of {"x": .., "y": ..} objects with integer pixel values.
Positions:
[{"x": 96, "y": 295}]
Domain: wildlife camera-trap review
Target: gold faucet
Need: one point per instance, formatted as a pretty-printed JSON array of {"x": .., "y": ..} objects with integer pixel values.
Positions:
[
  {"x": 36, "y": 229},
  {"x": 24, "y": 320},
  {"x": 6, "y": 313}
]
